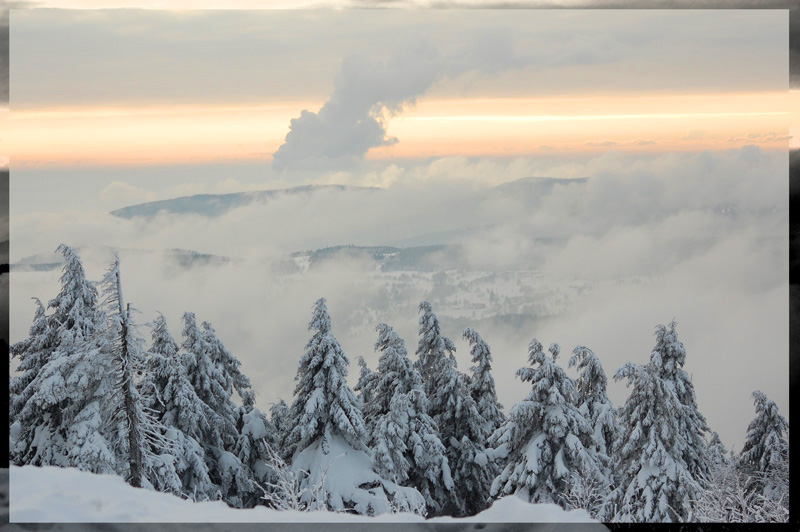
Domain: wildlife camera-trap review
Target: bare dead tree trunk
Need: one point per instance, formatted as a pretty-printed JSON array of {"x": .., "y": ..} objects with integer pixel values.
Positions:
[{"x": 131, "y": 413}]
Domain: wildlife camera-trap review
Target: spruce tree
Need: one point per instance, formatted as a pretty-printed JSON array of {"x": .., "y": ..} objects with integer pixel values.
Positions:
[
  {"x": 405, "y": 438},
  {"x": 33, "y": 353},
  {"x": 214, "y": 373},
  {"x": 456, "y": 414},
  {"x": 765, "y": 449},
  {"x": 324, "y": 404},
  {"x": 41, "y": 405},
  {"x": 144, "y": 455},
  {"x": 279, "y": 417},
  {"x": 668, "y": 358},
  {"x": 433, "y": 352},
  {"x": 75, "y": 309},
  {"x": 256, "y": 439},
  {"x": 717, "y": 454},
  {"x": 170, "y": 394},
  {"x": 594, "y": 404},
  {"x": 482, "y": 385},
  {"x": 546, "y": 441},
  {"x": 366, "y": 381},
  {"x": 326, "y": 424},
  {"x": 654, "y": 483}
]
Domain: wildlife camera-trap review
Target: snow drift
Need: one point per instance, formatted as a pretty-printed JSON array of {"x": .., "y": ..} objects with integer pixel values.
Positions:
[{"x": 53, "y": 494}]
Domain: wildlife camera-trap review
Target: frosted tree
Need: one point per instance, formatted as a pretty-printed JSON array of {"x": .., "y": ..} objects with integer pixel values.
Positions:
[
  {"x": 366, "y": 380},
  {"x": 729, "y": 499},
  {"x": 328, "y": 432},
  {"x": 433, "y": 350},
  {"x": 765, "y": 448},
  {"x": 170, "y": 394},
  {"x": 594, "y": 404},
  {"x": 408, "y": 450},
  {"x": 389, "y": 440},
  {"x": 214, "y": 373},
  {"x": 229, "y": 366},
  {"x": 482, "y": 385},
  {"x": 256, "y": 438},
  {"x": 654, "y": 483},
  {"x": 144, "y": 455},
  {"x": 456, "y": 414},
  {"x": 668, "y": 358},
  {"x": 324, "y": 404},
  {"x": 75, "y": 308},
  {"x": 546, "y": 442},
  {"x": 279, "y": 417},
  {"x": 33, "y": 353},
  {"x": 41, "y": 407},
  {"x": 461, "y": 429},
  {"x": 717, "y": 454}
]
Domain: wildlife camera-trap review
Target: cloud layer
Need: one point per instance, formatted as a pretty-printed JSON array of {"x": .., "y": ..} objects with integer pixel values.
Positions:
[{"x": 697, "y": 237}]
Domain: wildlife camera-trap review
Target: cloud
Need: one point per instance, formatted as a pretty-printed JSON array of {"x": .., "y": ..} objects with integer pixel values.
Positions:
[
  {"x": 119, "y": 194},
  {"x": 696, "y": 236},
  {"x": 352, "y": 121},
  {"x": 694, "y": 134},
  {"x": 600, "y": 143},
  {"x": 771, "y": 136}
]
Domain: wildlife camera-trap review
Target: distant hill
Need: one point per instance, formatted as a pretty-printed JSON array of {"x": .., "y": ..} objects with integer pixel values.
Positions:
[
  {"x": 528, "y": 189},
  {"x": 181, "y": 258},
  {"x": 212, "y": 205}
]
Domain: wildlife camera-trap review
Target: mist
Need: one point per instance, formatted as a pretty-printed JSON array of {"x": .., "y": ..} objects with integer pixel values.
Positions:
[{"x": 698, "y": 237}]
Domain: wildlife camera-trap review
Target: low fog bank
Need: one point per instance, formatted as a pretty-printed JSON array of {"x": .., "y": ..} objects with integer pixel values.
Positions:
[{"x": 701, "y": 238}]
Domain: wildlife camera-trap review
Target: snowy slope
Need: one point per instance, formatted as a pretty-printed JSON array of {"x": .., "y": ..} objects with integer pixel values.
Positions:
[{"x": 52, "y": 494}]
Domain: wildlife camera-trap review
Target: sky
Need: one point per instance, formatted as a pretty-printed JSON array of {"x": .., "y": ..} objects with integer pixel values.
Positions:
[
  {"x": 678, "y": 118},
  {"x": 187, "y": 86}
]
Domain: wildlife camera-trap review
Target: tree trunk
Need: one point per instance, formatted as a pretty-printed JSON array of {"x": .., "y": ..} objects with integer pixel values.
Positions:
[{"x": 131, "y": 412}]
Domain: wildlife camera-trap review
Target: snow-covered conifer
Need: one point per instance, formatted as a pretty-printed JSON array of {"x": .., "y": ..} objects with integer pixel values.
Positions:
[
  {"x": 229, "y": 366},
  {"x": 324, "y": 404},
  {"x": 256, "y": 437},
  {"x": 33, "y": 353},
  {"x": 75, "y": 308},
  {"x": 717, "y": 454},
  {"x": 366, "y": 381},
  {"x": 433, "y": 350},
  {"x": 279, "y": 417},
  {"x": 397, "y": 398},
  {"x": 668, "y": 358},
  {"x": 482, "y": 385},
  {"x": 144, "y": 455},
  {"x": 765, "y": 447},
  {"x": 654, "y": 483},
  {"x": 546, "y": 441},
  {"x": 170, "y": 394},
  {"x": 456, "y": 415},
  {"x": 389, "y": 440},
  {"x": 593, "y": 402},
  {"x": 40, "y": 403},
  {"x": 214, "y": 373},
  {"x": 327, "y": 435}
]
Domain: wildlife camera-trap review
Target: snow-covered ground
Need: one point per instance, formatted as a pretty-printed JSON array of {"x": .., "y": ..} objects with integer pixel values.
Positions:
[{"x": 52, "y": 494}]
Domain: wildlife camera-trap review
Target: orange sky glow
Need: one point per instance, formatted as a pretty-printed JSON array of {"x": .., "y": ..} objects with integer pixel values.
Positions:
[{"x": 433, "y": 128}]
